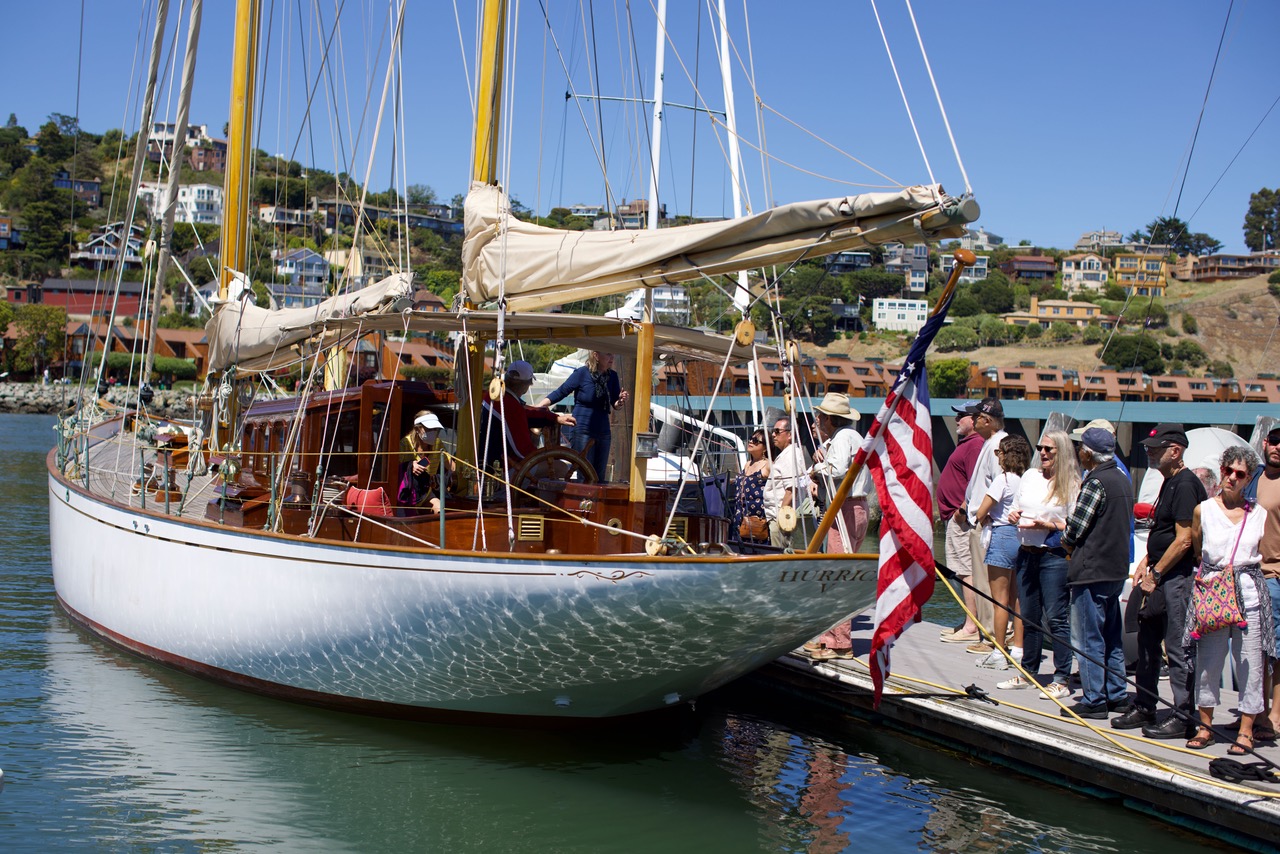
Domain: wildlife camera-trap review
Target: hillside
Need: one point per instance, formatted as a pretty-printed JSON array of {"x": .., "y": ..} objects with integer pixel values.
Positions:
[{"x": 1236, "y": 323}]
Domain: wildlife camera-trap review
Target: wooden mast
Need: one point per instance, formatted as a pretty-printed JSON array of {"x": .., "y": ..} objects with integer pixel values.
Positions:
[
  {"x": 234, "y": 242},
  {"x": 484, "y": 170}
]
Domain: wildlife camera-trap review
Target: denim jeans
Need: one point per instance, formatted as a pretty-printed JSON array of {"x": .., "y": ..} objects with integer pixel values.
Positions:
[
  {"x": 1097, "y": 630},
  {"x": 1042, "y": 599},
  {"x": 597, "y": 454}
]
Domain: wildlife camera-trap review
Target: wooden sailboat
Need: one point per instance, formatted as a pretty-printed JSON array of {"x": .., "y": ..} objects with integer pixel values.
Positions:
[{"x": 252, "y": 548}]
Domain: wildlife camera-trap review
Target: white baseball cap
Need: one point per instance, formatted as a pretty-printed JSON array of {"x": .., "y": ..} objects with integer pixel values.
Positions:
[{"x": 428, "y": 420}]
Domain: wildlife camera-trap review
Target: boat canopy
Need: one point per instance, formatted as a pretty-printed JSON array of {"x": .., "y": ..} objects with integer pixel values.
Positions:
[
  {"x": 259, "y": 339},
  {"x": 545, "y": 267}
]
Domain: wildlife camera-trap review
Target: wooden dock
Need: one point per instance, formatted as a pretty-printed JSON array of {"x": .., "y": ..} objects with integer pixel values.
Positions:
[{"x": 1024, "y": 730}]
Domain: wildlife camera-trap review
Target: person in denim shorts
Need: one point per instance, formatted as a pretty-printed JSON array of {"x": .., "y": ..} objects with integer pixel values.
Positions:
[{"x": 1014, "y": 455}]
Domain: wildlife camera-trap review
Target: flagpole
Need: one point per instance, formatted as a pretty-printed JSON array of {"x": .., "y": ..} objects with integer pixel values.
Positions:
[{"x": 963, "y": 259}]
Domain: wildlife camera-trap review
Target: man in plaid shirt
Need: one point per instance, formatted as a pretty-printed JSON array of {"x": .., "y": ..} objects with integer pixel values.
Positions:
[{"x": 1097, "y": 543}]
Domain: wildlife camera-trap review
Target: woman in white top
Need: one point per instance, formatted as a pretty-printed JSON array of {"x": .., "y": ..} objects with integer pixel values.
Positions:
[
  {"x": 1045, "y": 498},
  {"x": 1226, "y": 531},
  {"x": 1014, "y": 455}
]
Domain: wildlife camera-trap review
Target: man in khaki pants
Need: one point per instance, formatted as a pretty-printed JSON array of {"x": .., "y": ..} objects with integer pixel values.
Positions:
[{"x": 988, "y": 422}]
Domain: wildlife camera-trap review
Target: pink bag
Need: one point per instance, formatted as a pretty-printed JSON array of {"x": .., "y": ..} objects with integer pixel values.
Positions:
[{"x": 1214, "y": 604}]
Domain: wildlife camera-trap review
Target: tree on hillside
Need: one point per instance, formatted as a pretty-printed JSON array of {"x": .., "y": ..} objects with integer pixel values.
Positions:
[
  {"x": 948, "y": 377},
  {"x": 1262, "y": 221},
  {"x": 873, "y": 284},
  {"x": 1133, "y": 351},
  {"x": 35, "y": 323},
  {"x": 1177, "y": 234},
  {"x": 420, "y": 194}
]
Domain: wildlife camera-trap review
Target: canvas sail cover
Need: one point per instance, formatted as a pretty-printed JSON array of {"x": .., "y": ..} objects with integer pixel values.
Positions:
[
  {"x": 259, "y": 339},
  {"x": 546, "y": 267}
]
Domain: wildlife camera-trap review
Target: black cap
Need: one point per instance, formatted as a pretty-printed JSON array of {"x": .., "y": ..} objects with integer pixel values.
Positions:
[
  {"x": 1165, "y": 435},
  {"x": 986, "y": 406}
]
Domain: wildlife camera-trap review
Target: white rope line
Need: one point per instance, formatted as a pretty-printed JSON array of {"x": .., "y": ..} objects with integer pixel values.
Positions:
[
  {"x": 937, "y": 96},
  {"x": 905, "y": 102}
]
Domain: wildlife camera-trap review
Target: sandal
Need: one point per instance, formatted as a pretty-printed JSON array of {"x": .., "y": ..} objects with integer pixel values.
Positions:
[
  {"x": 1238, "y": 749},
  {"x": 1202, "y": 739},
  {"x": 1263, "y": 730}
]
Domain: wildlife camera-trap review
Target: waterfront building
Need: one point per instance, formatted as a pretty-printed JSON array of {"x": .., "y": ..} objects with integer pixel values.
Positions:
[{"x": 1086, "y": 271}]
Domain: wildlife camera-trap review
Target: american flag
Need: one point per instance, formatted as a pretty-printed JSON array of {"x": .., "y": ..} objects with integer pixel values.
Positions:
[{"x": 899, "y": 451}]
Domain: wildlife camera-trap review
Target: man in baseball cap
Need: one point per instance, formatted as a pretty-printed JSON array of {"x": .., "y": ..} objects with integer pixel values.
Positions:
[
  {"x": 1164, "y": 578},
  {"x": 1101, "y": 423}
]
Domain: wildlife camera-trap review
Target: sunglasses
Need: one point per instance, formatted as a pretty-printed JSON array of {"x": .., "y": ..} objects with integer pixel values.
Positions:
[
  {"x": 755, "y": 441},
  {"x": 1046, "y": 449},
  {"x": 776, "y": 430}
]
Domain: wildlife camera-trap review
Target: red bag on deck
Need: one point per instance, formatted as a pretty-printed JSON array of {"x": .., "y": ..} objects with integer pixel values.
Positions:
[{"x": 368, "y": 502}]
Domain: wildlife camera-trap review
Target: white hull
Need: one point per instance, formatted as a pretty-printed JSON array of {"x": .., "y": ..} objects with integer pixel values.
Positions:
[{"x": 407, "y": 633}]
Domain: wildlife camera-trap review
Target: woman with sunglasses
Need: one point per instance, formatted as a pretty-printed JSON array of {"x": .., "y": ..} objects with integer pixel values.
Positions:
[
  {"x": 748, "y": 490},
  {"x": 1226, "y": 532},
  {"x": 1040, "y": 510}
]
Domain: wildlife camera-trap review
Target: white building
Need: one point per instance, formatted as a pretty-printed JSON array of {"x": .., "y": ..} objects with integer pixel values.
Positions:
[
  {"x": 357, "y": 269},
  {"x": 980, "y": 240},
  {"x": 198, "y": 203},
  {"x": 1084, "y": 272},
  {"x": 912, "y": 264},
  {"x": 1096, "y": 241},
  {"x": 975, "y": 273},
  {"x": 899, "y": 315},
  {"x": 670, "y": 306},
  {"x": 277, "y": 215}
]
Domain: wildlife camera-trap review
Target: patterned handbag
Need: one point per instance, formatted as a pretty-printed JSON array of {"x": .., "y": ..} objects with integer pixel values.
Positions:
[{"x": 1214, "y": 604}]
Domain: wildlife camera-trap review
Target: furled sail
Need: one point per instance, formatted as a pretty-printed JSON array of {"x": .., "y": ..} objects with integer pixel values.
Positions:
[
  {"x": 547, "y": 267},
  {"x": 258, "y": 339}
]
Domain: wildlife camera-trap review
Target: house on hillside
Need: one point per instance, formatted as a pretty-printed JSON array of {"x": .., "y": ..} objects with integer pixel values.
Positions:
[
  {"x": 1029, "y": 268},
  {"x": 1047, "y": 312},
  {"x": 197, "y": 203},
  {"x": 208, "y": 155},
  {"x": 1096, "y": 241},
  {"x": 106, "y": 244},
  {"x": 87, "y": 190},
  {"x": 975, "y": 273},
  {"x": 899, "y": 315},
  {"x": 1219, "y": 268},
  {"x": 301, "y": 266},
  {"x": 1086, "y": 271},
  {"x": 980, "y": 240},
  {"x": 1140, "y": 273},
  {"x": 10, "y": 235}
]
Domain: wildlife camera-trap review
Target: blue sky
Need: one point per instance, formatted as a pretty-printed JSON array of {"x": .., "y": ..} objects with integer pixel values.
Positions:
[{"x": 1068, "y": 117}]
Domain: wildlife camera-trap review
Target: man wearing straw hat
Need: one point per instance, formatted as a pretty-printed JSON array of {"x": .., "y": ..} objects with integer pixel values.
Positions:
[{"x": 833, "y": 423}]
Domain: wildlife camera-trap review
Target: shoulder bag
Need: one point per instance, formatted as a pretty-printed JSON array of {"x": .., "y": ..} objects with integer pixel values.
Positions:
[{"x": 1214, "y": 604}]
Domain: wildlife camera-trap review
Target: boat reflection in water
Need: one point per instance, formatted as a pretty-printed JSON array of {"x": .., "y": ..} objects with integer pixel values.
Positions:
[{"x": 140, "y": 755}]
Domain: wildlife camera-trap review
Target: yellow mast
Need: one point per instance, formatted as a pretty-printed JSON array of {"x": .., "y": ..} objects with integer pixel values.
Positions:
[
  {"x": 235, "y": 208},
  {"x": 484, "y": 170}
]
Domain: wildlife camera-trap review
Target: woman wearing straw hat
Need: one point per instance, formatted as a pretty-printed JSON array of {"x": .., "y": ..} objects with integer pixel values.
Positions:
[{"x": 833, "y": 423}]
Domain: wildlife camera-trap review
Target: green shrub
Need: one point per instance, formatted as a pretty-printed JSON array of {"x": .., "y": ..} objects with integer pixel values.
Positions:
[
  {"x": 1061, "y": 331},
  {"x": 955, "y": 338},
  {"x": 1034, "y": 331},
  {"x": 436, "y": 377},
  {"x": 1189, "y": 324},
  {"x": 1093, "y": 334},
  {"x": 1221, "y": 369}
]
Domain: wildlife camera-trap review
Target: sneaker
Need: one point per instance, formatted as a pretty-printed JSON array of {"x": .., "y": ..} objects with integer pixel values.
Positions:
[
  {"x": 1096, "y": 713},
  {"x": 995, "y": 660},
  {"x": 979, "y": 648},
  {"x": 1014, "y": 684},
  {"x": 1055, "y": 691},
  {"x": 961, "y": 637}
]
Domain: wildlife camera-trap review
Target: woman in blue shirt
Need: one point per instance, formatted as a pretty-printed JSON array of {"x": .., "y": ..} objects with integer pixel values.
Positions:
[{"x": 596, "y": 392}]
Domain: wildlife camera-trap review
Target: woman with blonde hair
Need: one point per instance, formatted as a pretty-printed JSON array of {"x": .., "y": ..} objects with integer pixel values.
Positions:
[
  {"x": 1045, "y": 497},
  {"x": 596, "y": 391}
]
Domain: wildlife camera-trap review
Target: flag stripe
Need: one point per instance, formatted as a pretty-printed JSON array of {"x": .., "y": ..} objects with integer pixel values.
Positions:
[{"x": 898, "y": 449}]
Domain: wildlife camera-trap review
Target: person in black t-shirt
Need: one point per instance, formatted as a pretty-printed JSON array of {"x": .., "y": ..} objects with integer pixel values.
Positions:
[{"x": 1163, "y": 580}]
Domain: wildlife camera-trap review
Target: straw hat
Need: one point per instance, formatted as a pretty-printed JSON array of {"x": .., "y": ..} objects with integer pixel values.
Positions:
[{"x": 836, "y": 405}]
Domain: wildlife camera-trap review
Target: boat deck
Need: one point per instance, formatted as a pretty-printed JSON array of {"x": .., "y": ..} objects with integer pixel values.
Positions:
[{"x": 1024, "y": 730}]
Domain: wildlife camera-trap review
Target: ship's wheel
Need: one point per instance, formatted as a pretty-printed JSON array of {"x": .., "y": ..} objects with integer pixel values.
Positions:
[{"x": 555, "y": 463}]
